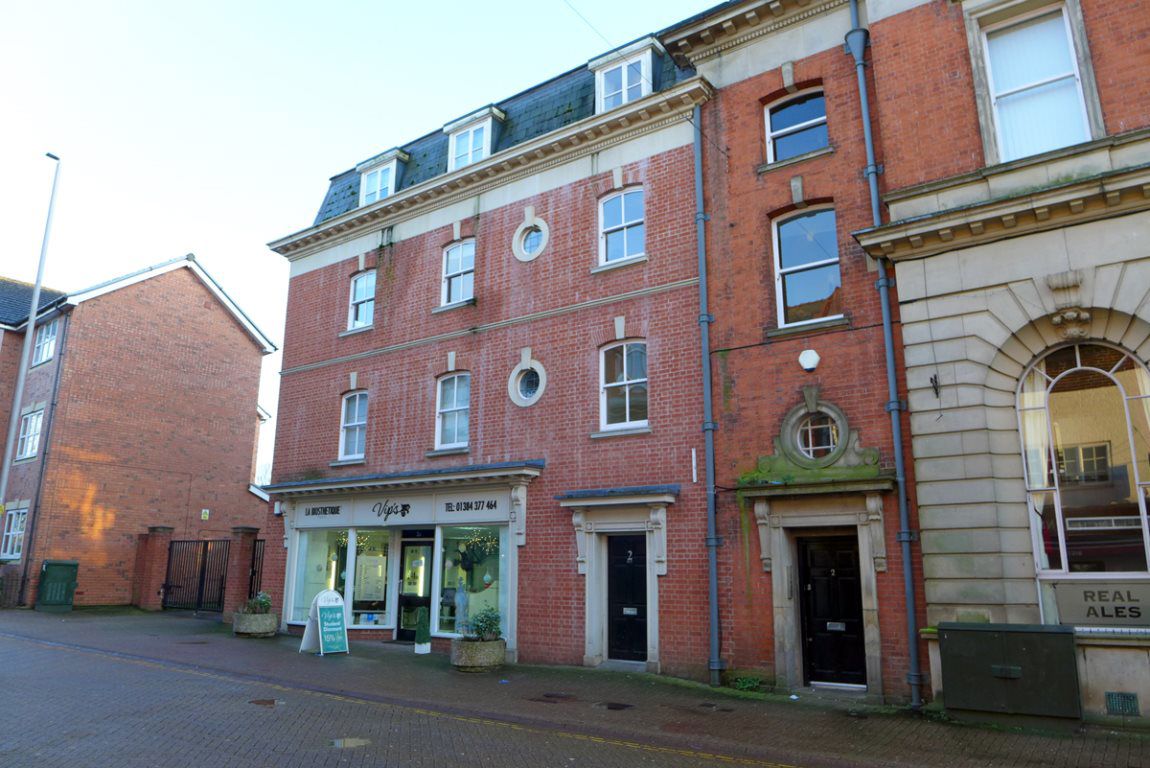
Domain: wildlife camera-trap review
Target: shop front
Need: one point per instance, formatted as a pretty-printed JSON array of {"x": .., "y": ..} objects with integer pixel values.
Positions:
[{"x": 393, "y": 544}]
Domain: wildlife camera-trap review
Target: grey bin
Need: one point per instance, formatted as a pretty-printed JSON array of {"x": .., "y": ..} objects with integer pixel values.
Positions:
[
  {"x": 1010, "y": 669},
  {"x": 57, "y": 585}
]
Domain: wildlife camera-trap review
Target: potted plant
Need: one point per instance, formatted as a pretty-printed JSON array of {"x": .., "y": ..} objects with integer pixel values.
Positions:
[
  {"x": 255, "y": 618},
  {"x": 422, "y": 631},
  {"x": 481, "y": 648}
]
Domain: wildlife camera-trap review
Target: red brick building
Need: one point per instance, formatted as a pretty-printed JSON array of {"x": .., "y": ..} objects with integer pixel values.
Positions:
[
  {"x": 996, "y": 169},
  {"x": 491, "y": 392},
  {"x": 139, "y": 411}
]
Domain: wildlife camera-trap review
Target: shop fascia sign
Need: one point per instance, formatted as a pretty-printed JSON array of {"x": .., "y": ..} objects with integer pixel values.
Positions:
[{"x": 444, "y": 508}]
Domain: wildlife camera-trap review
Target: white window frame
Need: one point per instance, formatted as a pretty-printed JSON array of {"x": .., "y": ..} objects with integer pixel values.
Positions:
[
  {"x": 345, "y": 426},
  {"x": 353, "y": 303},
  {"x": 780, "y": 272},
  {"x": 604, "y": 231},
  {"x": 985, "y": 17},
  {"x": 1053, "y": 484},
  {"x": 12, "y": 539},
  {"x": 623, "y": 61},
  {"x": 604, "y": 386},
  {"x": 773, "y": 135},
  {"x": 440, "y": 410},
  {"x": 45, "y": 345},
  {"x": 371, "y": 193},
  {"x": 444, "y": 288},
  {"x": 473, "y": 155},
  {"x": 31, "y": 425}
]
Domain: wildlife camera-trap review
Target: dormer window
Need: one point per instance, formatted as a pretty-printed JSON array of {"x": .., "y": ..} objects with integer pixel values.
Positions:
[
  {"x": 624, "y": 75},
  {"x": 379, "y": 176},
  {"x": 471, "y": 137}
]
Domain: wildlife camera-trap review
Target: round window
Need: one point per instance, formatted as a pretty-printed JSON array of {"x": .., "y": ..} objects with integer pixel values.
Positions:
[
  {"x": 529, "y": 384},
  {"x": 532, "y": 241},
  {"x": 818, "y": 435}
]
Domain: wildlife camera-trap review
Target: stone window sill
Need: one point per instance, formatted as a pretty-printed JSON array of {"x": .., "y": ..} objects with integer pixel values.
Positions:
[
  {"x": 768, "y": 167},
  {"x": 347, "y": 463},
  {"x": 618, "y": 264},
  {"x": 354, "y": 331},
  {"x": 621, "y": 432},
  {"x": 818, "y": 325},
  {"x": 448, "y": 452},
  {"x": 454, "y": 305}
]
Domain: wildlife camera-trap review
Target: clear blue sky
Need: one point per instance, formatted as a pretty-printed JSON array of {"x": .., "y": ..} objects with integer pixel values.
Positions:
[{"x": 212, "y": 127}]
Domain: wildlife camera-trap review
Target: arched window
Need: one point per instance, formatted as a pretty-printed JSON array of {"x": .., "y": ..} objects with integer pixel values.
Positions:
[
  {"x": 1084, "y": 413},
  {"x": 797, "y": 126}
]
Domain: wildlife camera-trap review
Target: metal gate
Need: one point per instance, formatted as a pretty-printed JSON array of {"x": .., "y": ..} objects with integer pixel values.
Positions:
[
  {"x": 256, "y": 577},
  {"x": 197, "y": 571}
]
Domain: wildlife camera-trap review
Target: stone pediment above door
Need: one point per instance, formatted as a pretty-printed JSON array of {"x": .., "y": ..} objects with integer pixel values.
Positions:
[{"x": 815, "y": 445}]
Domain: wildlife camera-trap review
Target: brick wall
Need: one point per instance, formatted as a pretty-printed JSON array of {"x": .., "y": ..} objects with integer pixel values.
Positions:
[
  {"x": 401, "y": 385},
  {"x": 154, "y": 423},
  {"x": 757, "y": 377}
]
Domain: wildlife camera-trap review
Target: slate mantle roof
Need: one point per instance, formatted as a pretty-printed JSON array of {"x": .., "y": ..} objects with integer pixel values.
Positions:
[
  {"x": 541, "y": 109},
  {"x": 16, "y": 299}
]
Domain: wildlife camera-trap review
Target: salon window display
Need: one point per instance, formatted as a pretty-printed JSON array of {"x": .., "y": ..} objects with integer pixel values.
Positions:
[
  {"x": 369, "y": 602},
  {"x": 322, "y": 564},
  {"x": 473, "y": 574}
]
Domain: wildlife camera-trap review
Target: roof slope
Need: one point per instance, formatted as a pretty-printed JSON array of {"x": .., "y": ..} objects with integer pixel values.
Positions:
[
  {"x": 16, "y": 300},
  {"x": 541, "y": 109}
]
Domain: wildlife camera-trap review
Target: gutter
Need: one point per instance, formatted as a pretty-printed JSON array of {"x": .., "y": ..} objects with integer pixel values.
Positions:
[{"x": 856, "y": 44}]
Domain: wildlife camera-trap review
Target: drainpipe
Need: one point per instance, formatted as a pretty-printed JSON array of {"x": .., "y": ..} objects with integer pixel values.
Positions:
[
  {"x": 856, "y": 43},
  {"x": 714, "y": 662}
]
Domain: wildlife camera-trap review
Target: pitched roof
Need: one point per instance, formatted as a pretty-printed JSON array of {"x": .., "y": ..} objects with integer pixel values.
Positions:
[
  {"x": 16, "y": 297},
  {"x": 541, "y": 109},
  {"x": 16, "y": 300}
]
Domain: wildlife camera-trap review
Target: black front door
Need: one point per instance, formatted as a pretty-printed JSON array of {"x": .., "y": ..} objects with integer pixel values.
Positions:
[
  {"x": 627, "y": 598},
  {"x": 834, "y": 649},
  {"x": 415, "y": 583}
]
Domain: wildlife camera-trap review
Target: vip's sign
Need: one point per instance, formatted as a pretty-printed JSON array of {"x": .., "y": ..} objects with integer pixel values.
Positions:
[{"x": 1103, "y": 604}]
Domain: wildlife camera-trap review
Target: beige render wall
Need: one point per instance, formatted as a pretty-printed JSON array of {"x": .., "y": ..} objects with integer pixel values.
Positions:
[{"x": 976, "y": 318}]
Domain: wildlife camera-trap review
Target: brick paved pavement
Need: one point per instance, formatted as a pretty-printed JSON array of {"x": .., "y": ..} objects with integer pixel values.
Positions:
[{"x": 124, "y": 688}]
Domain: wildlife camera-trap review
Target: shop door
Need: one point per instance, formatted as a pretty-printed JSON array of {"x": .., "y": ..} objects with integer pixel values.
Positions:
[
  {"x": 415, "y": 586},
  {"x": 834, "y": 650},
  {"x": 627, "y": 598}
]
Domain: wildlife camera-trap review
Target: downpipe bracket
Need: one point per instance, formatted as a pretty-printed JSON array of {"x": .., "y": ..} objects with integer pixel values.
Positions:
[
  {"x": 714, "y": 541},
  {"x": 895, "y": 405},
  {"x": 908, "y": 536}
]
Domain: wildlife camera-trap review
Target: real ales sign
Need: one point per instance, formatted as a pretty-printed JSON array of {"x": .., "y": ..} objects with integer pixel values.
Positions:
[
  {"x": 326, "y": 631},
  {"x": 1103, "y": 604}
]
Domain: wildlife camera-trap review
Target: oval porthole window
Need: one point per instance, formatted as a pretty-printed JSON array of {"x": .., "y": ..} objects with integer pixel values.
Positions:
[
  {"x": 526, "y": 383},
  {"x": 529, "y": 384},
  {"x": 532, "y": 241},
  {"x": 818, "y": 435}
]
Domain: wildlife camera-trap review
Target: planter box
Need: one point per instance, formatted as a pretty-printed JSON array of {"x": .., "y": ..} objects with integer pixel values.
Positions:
[
  {"x": 477, "y": 655},
  {"x": 255, "y": 624}
]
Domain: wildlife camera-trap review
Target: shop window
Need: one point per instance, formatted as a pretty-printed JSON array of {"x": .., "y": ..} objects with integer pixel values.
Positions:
[
  {"x": 622, "y": 232},
  {"x": 45, "y": 344},
  {"x": 353, "y": 427},
  {"x": 453, "y": 410},
  {"x": 808, "y": 284},
  {"x": 1084, "y": 412},
  {"x": 458, "y": 273},
  {"x": 623, "y": 394},
  {"x": 796, "y": 127},
  {"x": 12, "y": 543},
  {"x": 321, "y": 563},
  {"x": 472, "y": 577},
  {"x": 369, "y": 585},
  {"x": 361, "y": 304}
]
